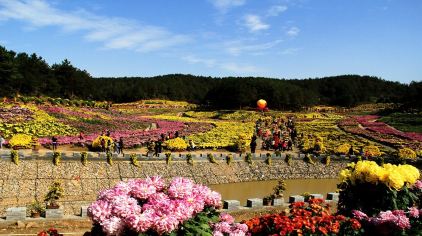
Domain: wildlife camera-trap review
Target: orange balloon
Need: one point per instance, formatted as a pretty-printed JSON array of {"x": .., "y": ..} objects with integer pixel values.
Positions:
[{"x": 261, "y": 103}]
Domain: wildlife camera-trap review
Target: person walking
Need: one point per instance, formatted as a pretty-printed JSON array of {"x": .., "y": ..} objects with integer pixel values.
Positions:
[
  {"x": 54, "y": 143},
  {"x": 120, "y": 150},
  {"x": 1, "y": 141},
  {"x": 253, "y": 144}
]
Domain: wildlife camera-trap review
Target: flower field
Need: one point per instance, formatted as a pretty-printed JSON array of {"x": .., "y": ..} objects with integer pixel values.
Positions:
[
  {"x": 333, "y": 137},
  {"x": 368, "y": 126}
]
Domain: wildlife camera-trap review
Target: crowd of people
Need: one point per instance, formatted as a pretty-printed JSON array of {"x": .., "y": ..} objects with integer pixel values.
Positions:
[{"x": 276, "y": 133}]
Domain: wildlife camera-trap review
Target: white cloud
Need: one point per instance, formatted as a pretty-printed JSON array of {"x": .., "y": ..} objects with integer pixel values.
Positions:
[
  {"x": 293, "y": 31},
  {"x": 254, "y": 23},
  {"x": 225, "y": 5},
  {"x": 236, "y": 48},
  {"x": 239, "y": 69},
  {"x": 228, "y": 66},
  {"x": 276, "y": 10},
  {"x": 114, "y": 33},
  {"x": 192, "y": 59}
]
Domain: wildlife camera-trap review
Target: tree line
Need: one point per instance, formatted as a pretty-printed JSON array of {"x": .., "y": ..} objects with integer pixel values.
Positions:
[{"x": 31, "y": 75}]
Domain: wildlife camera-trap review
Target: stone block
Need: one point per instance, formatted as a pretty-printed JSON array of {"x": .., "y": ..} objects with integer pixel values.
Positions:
[
  {"x": 231, "y": 204},
  {"x": 301, "y": 155},
  {"x": 16, "y": 213},
  {"x": 53, "y": 213},
  {"x": 48, "y": 154},
  {"x": 296, "y": 198},
  {"x": 102, "y": 156},
  {"x": 332, "y": 196},
  {"x": 76, "y": 154},
  {"x": 316, "y": 196},
  {"x": 278, "y": 202},
  {"x": 254, "y": 202},
  {"x": 162, "y": 155},
  {"x": 84, "y": 210},
  {"x": 114, "y": 155}
]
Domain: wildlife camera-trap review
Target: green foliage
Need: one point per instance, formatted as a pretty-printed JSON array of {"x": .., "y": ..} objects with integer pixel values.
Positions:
[
  {"x": 407, "y": 122},
  {"x": 55, "y": 192},
  {"x": 288, "y": 159},
  {"x": 326, "y": 160},
  {"x": 200, "y": 224},
  {"x": 189, "y": 159},
  {"x": 211, "y": 158},
  {"x": 57, "y": 156},
  {"x": 269, "y": 161},
  {"x": 14, "y": 155},
  {"x": 134, "y": 160},
  {"x": 373, "y": 199},
  {"x": 308, "y": 159},
  {"x": 84, "y": 158},
  {"x": 248, "y": 158},
  {"x": 168, "y": 158},
  {"x": 109, "y": 158},
  {"x": 37, "y": 207}
]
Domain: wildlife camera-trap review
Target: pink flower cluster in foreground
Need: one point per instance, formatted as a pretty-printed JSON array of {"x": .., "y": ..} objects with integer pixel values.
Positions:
[
  {"x": 226, "y": 226},
  {"x": 396, "y": 218},
  {"x": 149, "y": 204}
]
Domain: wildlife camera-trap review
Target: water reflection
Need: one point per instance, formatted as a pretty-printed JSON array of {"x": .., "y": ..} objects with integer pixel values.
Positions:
[{"x": 259, "y": 189}]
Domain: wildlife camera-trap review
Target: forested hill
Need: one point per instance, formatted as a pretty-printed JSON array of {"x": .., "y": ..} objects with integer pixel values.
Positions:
[{"x": 31, "y": 75}]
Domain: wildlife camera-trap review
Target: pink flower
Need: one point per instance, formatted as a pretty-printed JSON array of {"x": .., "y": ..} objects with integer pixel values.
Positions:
[
  {"x": 142, "y": 190},
  {"x": 99, "y": 211},
  {"x": 359, "y": 215},
  {"x": 157, "y": 182},
  {"x": 223, "y": 227},
  {"x": 402, "y": 222},
  {"x": 414, "y": 212},
  {"x": 113, "y": 226},
  {"x": 217, "y": 233},
  {"x": 242, "y": 227},
  {"x": 226, "y": 218},
  {"x": 180, "y": 187},
  {"x": 418, "y": 184},
  {"x": 140, "y": 222}
]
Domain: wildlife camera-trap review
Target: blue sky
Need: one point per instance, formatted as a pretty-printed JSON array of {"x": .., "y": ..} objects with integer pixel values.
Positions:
[{"x": 270, "y": 38}]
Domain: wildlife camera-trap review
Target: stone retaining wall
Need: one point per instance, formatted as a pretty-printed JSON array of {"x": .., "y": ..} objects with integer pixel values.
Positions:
[{"x": 20, "y": 184}]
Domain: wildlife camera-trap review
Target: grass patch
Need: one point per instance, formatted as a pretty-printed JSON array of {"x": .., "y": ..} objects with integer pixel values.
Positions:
[{"x": 407, "y": 122}]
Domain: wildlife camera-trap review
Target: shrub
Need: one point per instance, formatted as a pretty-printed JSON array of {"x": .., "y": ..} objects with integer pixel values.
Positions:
[
  {"x": 168, "y": 158},
  {"x": 134, "y": 160},
  {"x": 288, "y": 159},
  {"x": 248, "y": 158},
  {"x": 84, "y": 158},
  {"x": 14, "y": 155},
  {"x": 109, "y": 157},
  {"x": 189, "y": 159},
  {"x": 308, "y": 159},
  {"x": 55, "y": 192},
  {"x": 229, "y": 159},
  {"x": 268, "y": 161},
  {"x": 57, "y": 158},
  {"x": 211, "y": 158}
]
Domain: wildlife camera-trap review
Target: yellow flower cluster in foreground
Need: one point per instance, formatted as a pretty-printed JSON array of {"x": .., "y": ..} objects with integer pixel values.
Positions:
[{"x": 394, "y": 176}]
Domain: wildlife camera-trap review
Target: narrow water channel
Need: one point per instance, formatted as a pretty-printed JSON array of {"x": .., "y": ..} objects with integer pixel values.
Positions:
[{"x": 260, "y": 189}]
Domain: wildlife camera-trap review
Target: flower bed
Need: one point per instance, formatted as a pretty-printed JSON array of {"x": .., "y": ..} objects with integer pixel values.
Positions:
[
  {"x": 314, "y": 218},
  {"x": 152, "y": 207}
]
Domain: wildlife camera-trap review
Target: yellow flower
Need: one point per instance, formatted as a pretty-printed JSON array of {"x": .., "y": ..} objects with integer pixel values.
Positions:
[
  {"x": 345, "y": 175},
  {"x": 407, "y": 153},
  {"x": 395, "y": 180}
]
